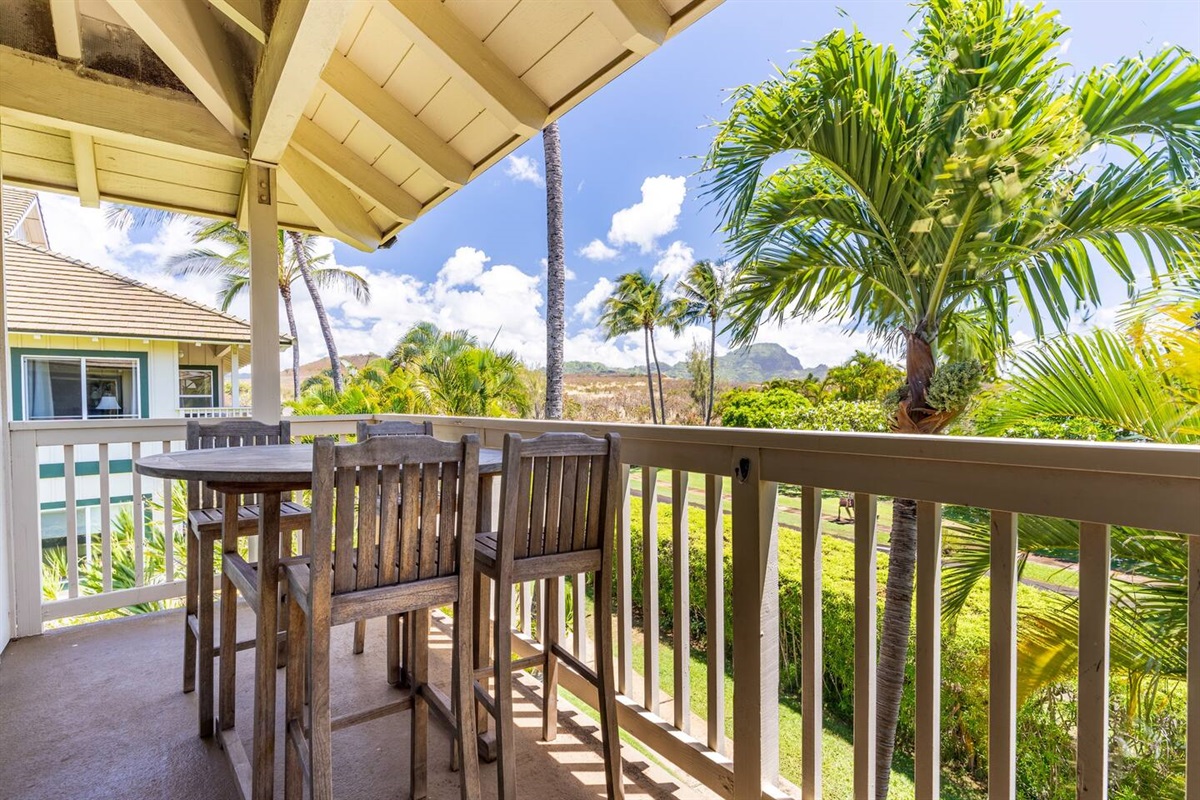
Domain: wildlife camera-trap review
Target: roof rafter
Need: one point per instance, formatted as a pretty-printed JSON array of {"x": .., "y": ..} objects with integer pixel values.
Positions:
[
  {"x": 331, "y": 205},
  {"x": 454, "y": 48},
  {"x": 390, "y": 119},
  {"x": 68, "y": 41},
  {"x": 189, "y": 39},
  {"x": 640, "y": 25},
  {"x": 64, "y": 15},
  {"x": 246, "y": 14},
  {"x": 302, "y": 38},
  {"x": 64, "y": 96},
  {"x": 354, "y": 172}
]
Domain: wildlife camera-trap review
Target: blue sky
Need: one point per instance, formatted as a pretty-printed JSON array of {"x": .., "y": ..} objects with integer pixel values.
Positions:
[{"x": 629, "y": 157}]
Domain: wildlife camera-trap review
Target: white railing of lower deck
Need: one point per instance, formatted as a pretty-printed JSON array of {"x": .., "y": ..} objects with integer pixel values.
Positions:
[
  {"x": 1146, "y": 486},
  {"x": 215, "y": 412}
]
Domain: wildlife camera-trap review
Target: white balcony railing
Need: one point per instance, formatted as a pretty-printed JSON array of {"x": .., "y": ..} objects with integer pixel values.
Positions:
[
  {"x": 1145, "y": 486},
  {"x": 213, "y": 412}
]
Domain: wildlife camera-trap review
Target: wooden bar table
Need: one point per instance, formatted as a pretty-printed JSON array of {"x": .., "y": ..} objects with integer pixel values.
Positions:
[{"x": 268, "y": 471}]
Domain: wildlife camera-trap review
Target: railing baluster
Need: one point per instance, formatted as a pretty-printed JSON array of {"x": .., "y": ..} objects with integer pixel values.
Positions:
[
  {"x": 866, "y": 597},
  {"x": 714, "y": 531},
  {"x": 168, "y": 524},
  {"x": 1095, "y": 563},
  {"x": 105, "y": 520},
  {"x": 681, "y": 617},
  {"x": 526, "y": 611},
  {"x": 139, "y": 520},
  {"x": 812, "y": 658},
  {"x": 927, "y": 763},
  {"x": 755, "y": 628},
  {"x": 650, "y": 587},
  {"x": 1193, "y": 670},
  {"x": 579, "y": 601},
  {"x": 624, "y": 589},
  {"x": 1002, "y": 680},
  {"x": 72, "y": 520}
]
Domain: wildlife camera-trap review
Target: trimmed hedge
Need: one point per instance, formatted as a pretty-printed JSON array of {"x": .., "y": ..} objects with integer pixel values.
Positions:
[{"x": 964, "y": 648}]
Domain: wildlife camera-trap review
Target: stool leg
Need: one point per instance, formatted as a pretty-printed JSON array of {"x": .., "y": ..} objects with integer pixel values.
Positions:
[
  {"x": 393, "y": 649},
  {"x": 610, "y": 733},
  {"x": 206, "y": 613},
  {"x": 465, "y": 750},
  {"x": 360, "y": 637},
  {"x": 294, "y": 694},
  {"x": 506, "y": 759},
  {"x": 480, "y": 621},
  {"x": 192, "y": 595},
  {"x": 550, "y": 677}
]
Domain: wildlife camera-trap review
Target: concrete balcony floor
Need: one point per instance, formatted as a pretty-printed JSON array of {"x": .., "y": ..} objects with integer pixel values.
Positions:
[{"x": 96, "y": 712}]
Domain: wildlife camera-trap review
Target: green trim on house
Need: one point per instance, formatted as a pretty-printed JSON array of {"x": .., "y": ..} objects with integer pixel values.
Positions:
[
  {"x": 59, "y": 505},
  {"x": 17, "y": 355},
  {"x": 117, "y": 466},
  {"x": 216, "y": 400}
]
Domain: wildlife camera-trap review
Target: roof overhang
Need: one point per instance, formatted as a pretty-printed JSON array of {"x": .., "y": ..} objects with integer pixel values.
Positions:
[{"x": 374, "y": 111}]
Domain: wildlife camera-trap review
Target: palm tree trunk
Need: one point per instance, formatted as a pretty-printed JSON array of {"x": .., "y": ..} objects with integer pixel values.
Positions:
[
  {"x": 556, "y": 289},
  {"x": 902, "y": 563},
  {"x": 286, "y": 292},
  {"x": 335, "y": 366},
  {"x": 712, "y": 373},
  {"x": 649, "y": 376},
  {"x": 662, "y": 401}
]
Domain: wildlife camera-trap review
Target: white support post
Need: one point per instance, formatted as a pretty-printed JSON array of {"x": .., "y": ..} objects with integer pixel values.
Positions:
[
  {"x": 263, "y": 226},
  {"x": 26, "y": 534},
  {"x": 235, "y": 383},
  {"x": 6, "y": 526},
  {"x": 755, "y": 628}
]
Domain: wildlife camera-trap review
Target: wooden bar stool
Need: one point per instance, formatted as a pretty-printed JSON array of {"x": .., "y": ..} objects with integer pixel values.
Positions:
[
  {"x": 395, "y": 627},
  {"x": 558, "y": 512},
  {"x": 405, "y": 547},
  {"x": 205, "y": 521}
]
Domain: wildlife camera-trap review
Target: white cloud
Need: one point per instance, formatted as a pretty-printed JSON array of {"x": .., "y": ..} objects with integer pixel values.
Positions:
[
  {"x": 674, "y": 261},
  {"x": 588, "y": 309},
  {"x": 523, "y": 168},
  {"x": 656, "y": 215},
  {"x": 596, "y": 250}
]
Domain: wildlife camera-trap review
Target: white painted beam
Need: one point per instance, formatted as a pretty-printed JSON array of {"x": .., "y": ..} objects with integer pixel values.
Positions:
[
  {"x": 333, "y": 207},
  {"x": 83, "y": 151},
  {"x": 189, "y": 39},
  {"x": 302, "y": 38},
  {"x": 64, "y": 15},
  {"x": 54, "y": 94},
  {"x": 262, "y": 216},
  {"x": 640, "y": 25},
  {"x": 7, "y": 575},
  {"x": 246, "y": 14},
  {"x": 354, "y": 172},
  {"x": 454, "y": 48},
  {"x": 386, "y": 116}
]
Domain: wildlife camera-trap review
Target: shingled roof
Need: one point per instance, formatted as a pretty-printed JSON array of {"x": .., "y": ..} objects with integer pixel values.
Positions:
[{"x": 49, "y": 293}]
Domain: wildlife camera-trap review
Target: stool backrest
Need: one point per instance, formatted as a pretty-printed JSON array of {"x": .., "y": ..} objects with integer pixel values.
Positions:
[
  {"x": 392, "y": 510},
  {"x": 213, "y": 433},
  {"x": 392, "y": 427},
  {"x": 558, "y": 494}
]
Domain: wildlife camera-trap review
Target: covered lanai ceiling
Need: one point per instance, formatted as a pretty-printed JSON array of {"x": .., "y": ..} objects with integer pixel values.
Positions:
[{"x": 374, "y": 111}]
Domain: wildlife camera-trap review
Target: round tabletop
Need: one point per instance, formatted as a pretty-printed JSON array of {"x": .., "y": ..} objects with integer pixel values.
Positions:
[{"x": 258, "y": 468}]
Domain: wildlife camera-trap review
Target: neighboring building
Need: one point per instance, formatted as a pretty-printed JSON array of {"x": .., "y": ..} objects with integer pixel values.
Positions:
[{"x": 88, "y": 344}]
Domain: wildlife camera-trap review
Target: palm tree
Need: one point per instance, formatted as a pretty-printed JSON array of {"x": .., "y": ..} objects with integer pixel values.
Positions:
[
  {"x": 704, "y": 296},
  {"x": 230, "y": 261},
  {"x": 638, "y": 303},
  {"x": 924, "y": 196},
  {"x": 556, "y": 273},
  {"x": 301, "y": 251}
]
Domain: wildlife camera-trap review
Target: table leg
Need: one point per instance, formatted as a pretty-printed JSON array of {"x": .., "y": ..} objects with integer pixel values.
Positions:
[{"x": 265, "y": 652}]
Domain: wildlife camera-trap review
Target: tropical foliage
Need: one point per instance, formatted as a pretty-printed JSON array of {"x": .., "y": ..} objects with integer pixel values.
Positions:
[
  {"x": 923, "y": 196},
  {"x": 703, "y": 298},
  {"x": 639, "y": 303}
]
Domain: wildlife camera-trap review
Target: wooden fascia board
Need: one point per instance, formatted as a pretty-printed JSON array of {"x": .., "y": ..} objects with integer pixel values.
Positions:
[
  {"x": 639, "y": 25},
  {"x": 302, "y": 38},
  {"x": 189, "y": 39},
  {"x": 454, "y": 48},
  {"x": 64, "y": 96},
  {"x": 333, "y": 207},
  {"x": 354, "y": 172},
  {"x": 388, "y": 117}
]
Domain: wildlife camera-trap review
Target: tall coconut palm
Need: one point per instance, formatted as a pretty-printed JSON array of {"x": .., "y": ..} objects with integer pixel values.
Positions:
[
  {"x": 923, "y": 195},
  {"x": 704, "y": 297},
  {"x": 229, "y": 259},
  {"x": 556, "y": 273},
  {"x": 361, "y": 291},
  {"x": 639, "y": 303}
]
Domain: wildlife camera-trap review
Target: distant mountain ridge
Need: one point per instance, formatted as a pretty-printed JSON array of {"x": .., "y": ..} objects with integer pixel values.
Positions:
[{"x": 754, "y": 363}]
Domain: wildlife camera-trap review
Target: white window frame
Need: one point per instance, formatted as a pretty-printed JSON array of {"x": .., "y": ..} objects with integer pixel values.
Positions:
[{"x": 27, "y": 400}]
